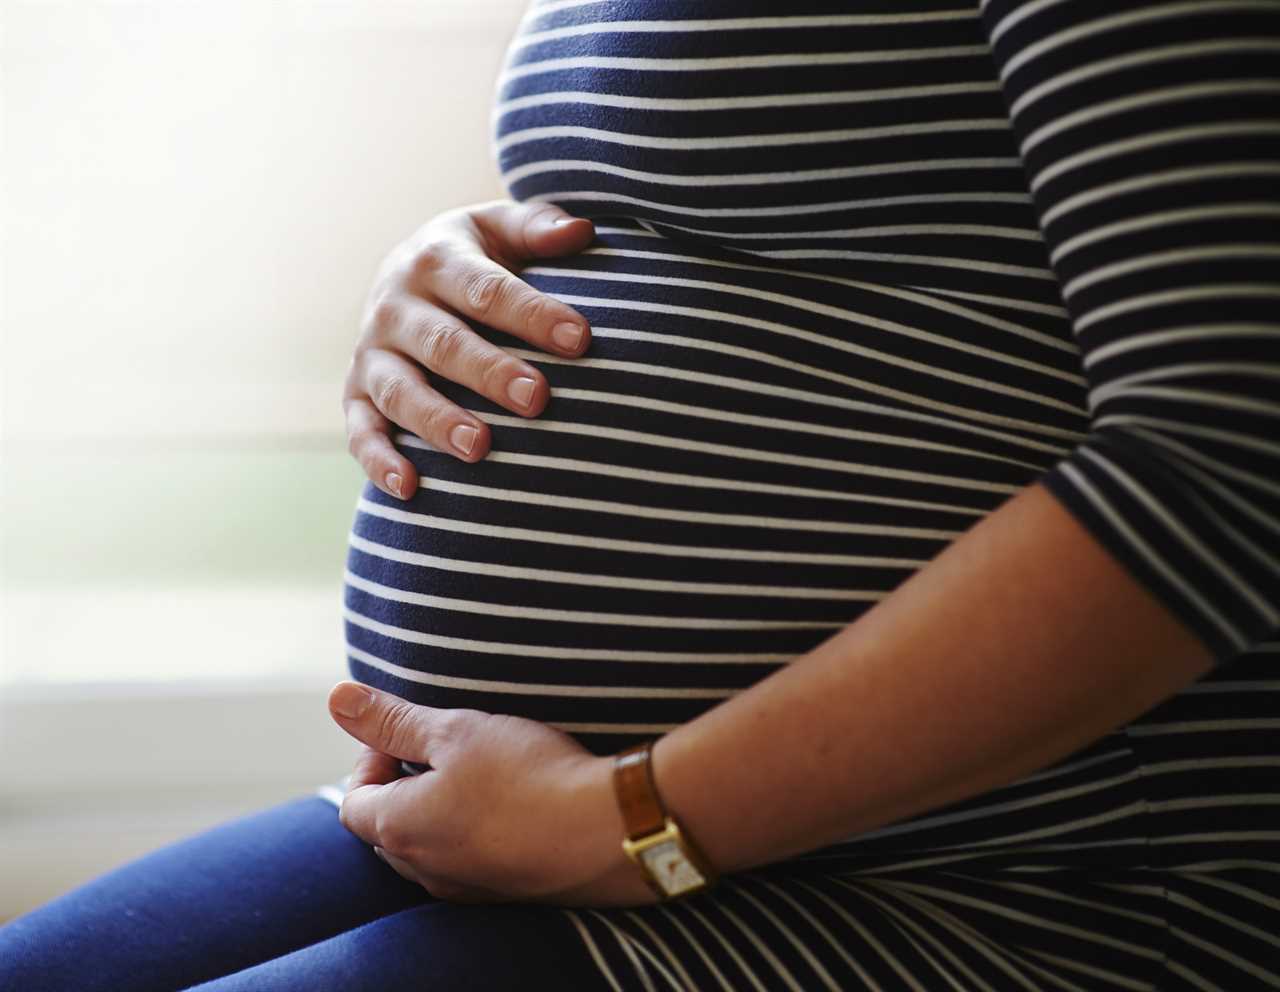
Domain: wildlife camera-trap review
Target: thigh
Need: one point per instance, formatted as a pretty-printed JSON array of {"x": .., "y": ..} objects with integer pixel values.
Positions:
[
  {"x": 215, "y": 903},
  {"x": 435, "y": 947}
]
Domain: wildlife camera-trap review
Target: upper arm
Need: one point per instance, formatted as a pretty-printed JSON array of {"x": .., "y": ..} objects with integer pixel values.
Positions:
[{"x": 1150, "y": 134}]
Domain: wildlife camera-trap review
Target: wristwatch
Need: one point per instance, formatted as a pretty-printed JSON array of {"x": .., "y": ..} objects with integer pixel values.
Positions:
[{"x": 670, "y": 859}]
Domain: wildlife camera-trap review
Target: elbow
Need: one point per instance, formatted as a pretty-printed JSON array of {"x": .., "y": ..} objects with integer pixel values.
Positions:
[{"x": 1193, "y": 502}]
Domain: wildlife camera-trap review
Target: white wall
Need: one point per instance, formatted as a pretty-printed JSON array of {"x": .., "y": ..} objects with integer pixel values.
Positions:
[{"x": 195, "y": 196}]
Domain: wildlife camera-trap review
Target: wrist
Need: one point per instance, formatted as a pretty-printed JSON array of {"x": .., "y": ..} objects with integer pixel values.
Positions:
[
  {"x": 671, "y": 860},
  {"x": 680, "y": 778},
  {"x": 604, "y": 875}
]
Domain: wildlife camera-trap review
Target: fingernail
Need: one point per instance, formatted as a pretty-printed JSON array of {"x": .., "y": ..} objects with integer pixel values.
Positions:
[
  {"x": 350, "y": 700},
  {"x": 554, "y": 224},
  {"x": 394, "y": 483},
  {"x": 521, "y": 390},
  {"x": 567, "y": 336},
  {"x": 464, "y": 438}
]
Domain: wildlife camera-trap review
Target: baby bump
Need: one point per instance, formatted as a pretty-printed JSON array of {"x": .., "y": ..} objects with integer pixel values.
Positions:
[{"x": 744, "y": 461}]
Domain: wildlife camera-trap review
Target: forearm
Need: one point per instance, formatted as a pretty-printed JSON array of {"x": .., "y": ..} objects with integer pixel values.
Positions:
[{"x": 1023, "y": 641}]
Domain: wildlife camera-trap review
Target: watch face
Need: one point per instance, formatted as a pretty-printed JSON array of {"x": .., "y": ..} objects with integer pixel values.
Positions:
[{"x": 671, "y": 868}]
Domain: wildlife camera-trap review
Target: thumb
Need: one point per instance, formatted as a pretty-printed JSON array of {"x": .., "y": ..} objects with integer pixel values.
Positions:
[
  {"x": 534, "y": 230},
  {"x": 385, "y": 722},
  {"x": 551, "y": 231}
]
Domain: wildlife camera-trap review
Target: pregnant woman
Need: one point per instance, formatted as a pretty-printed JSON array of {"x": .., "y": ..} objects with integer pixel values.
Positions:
[{"x": 913, "y": 489}]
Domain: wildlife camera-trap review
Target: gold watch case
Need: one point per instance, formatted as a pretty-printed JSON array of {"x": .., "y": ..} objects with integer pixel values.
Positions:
[{"x": 669, "y": 864}]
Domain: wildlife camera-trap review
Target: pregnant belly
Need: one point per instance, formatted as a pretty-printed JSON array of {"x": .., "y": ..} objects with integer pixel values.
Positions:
[{"x": 746, "y": 459}]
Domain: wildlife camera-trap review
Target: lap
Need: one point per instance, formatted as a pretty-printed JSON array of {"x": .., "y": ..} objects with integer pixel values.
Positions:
[
  {"x": 287, "y": 899},
  {"x": 283, "y": 892},
  {"x": 435, "y": 946}
]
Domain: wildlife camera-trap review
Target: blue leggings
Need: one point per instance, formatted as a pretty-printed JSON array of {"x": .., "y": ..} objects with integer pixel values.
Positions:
[{"x": 282, "y": 900}]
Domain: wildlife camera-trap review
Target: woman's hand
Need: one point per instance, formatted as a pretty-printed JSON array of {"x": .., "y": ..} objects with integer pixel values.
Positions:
[
  {"x": 460, "y": 263},
  {"x": 510, "y": 810}
]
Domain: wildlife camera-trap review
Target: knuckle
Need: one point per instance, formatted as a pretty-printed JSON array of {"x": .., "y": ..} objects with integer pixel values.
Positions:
[
  {"x": 397, "y": 727},
  {"x": 390, "y": 833},
  {"x": 383, "y": 317},
  {"x": 429, "y": 257},
  {"x": 493, "y": 368},
  {"x": 533, "y": 309},
  {"x": 358, "y": 441},
  {"x": 482, "y": 291},
  {"x": 456, "y": 724},
  {"x": 439, "y": 342},
  {"x": 436, "y": 423},
  {"x": 391, "y": 390}
]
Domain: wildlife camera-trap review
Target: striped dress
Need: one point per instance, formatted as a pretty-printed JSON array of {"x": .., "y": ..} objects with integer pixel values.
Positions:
[{"x": 862, "y": 271}]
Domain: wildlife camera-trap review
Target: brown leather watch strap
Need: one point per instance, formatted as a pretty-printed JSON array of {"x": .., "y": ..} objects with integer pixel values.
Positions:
[{"x": 642, "y": 810}]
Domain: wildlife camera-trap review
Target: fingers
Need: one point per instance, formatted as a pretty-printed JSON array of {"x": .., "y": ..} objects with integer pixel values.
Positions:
[
  {"x": 391, "y": 725},
  {"x": 460, "y": 265},
  {"x": 398, "y": 389},
  {"x": 470, "y": 283},
  {"x": 373, "y": 768},
  {"x": 446, "y": 345},
  {"x": 369, "y": 442},
  {"x": 383, "y": 815}
]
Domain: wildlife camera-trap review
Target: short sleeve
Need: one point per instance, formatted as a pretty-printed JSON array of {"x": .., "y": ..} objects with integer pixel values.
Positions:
[{"x": 1150, "y": 136}]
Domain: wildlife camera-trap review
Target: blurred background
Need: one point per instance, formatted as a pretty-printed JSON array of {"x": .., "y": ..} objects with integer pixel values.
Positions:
[{"x": 196, "y": 194}]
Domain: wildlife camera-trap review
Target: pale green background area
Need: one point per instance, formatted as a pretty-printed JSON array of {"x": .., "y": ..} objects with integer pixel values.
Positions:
[
  {"x": 167, "y": 516},
  {"x": 194, "y": 198},
  {"x": 161, "y": 563}
]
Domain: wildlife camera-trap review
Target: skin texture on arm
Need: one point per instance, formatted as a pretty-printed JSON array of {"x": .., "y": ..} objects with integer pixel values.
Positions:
[{"x": 1020, "y": 643}]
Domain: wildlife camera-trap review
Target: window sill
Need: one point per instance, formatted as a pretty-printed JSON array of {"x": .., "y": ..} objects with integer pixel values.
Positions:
[{"x": 92, "y": 775}]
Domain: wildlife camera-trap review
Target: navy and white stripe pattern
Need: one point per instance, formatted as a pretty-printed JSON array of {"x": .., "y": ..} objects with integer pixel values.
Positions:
[{"x": 863, "y": 271}]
